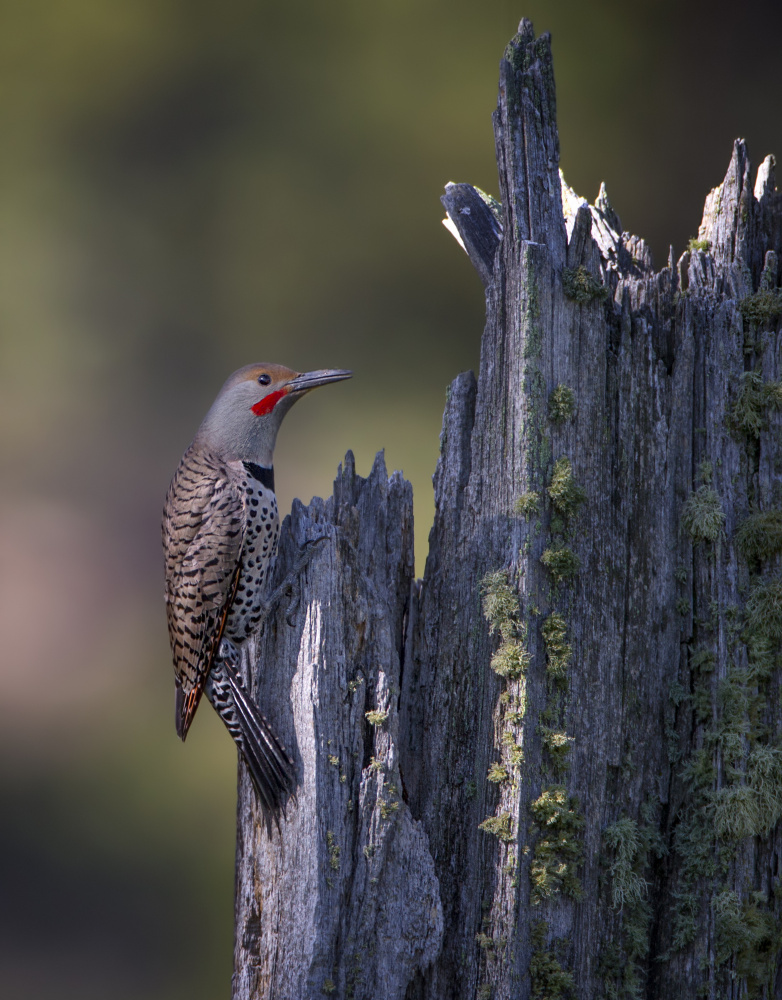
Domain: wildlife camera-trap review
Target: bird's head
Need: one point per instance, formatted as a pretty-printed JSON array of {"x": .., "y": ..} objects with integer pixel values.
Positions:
[{"x": 243, "y": 421}]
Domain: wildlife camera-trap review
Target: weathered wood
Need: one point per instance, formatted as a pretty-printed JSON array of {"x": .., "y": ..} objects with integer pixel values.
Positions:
[
  {"x": 345, "y": 898},
  {"x": 578, "y": 785}
]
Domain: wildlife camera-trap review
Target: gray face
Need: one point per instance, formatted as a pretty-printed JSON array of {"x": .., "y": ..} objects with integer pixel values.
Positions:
[{"x": 243, "y": 422}]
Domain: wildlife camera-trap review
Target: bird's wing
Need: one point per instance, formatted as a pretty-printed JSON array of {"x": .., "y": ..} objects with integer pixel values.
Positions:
[{"x": 203, "y": 532}]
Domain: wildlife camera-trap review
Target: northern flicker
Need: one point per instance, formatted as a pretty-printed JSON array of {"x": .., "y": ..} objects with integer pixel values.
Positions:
[{"x": 220, "y": 531}]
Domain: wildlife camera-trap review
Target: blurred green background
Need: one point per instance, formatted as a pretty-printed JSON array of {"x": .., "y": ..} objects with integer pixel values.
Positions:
[{"x": 189, "y": 186}]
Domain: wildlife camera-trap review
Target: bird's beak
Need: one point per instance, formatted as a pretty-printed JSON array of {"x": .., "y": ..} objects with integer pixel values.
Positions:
[{"x": 311, "y": 380}]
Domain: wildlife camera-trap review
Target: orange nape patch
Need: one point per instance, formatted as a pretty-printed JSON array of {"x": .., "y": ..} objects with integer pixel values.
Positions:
[{"x": 267, "y": 404}]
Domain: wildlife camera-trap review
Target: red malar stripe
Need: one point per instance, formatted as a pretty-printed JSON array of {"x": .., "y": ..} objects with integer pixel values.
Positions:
[{"x": 267, "y": 404}]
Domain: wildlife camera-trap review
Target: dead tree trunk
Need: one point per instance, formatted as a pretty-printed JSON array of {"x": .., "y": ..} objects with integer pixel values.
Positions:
[{"x": 553, "y": 767}]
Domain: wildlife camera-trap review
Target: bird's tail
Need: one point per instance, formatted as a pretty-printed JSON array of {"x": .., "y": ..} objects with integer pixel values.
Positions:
[{"x": 270, "y": 767}]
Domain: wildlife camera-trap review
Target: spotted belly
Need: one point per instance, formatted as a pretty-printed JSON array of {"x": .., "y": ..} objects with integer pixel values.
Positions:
[{"x": 258, "y": 555}]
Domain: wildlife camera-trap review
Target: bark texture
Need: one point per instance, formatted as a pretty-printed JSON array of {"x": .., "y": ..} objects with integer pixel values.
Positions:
[{"x": 570, "y": 780}]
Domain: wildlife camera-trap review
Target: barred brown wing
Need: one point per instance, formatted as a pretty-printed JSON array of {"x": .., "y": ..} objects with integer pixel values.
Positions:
[{"x": 203, "y": 533}]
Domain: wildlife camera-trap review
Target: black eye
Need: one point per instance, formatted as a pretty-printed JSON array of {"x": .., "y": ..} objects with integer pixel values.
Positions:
[{"x": 264, "y": 379}]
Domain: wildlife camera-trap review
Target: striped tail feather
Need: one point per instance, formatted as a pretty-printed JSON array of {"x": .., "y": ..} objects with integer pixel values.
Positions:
[{"x": 270, "y": 768}]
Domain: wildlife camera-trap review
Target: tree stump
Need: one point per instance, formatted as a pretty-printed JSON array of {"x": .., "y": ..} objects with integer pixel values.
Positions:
[{"x": 553, "y": 766}]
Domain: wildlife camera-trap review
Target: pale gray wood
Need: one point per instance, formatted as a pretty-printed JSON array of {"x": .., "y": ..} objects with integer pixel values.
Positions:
[
  {"x": 344, "y": 899},
  {"x": 422, "y": 903},
  {"x": 475, "y": 220}
]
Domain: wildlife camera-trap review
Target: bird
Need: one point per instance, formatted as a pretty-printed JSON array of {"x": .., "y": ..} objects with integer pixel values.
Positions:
[{"x": 220, "y": 534}]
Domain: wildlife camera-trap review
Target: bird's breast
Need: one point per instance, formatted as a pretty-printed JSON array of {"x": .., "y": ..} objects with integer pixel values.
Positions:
[{"x": 262, "y": 532}]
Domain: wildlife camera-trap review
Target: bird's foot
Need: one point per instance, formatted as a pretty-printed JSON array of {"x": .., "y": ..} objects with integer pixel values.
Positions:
[
  {"x": 229, "y": 653},
  {"x": 290, "y": 585}
]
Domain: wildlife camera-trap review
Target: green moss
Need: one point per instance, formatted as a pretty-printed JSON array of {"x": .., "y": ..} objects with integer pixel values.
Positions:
[
  {"x": 533, "y": 346},
  {"x": 558, "y": 651},
  {"x": 557, "y": 526},
  {"x": 731, "y": 725},
  {"x": 333, "y": 849},
  {"x": 558, "y": 744},
  {"x": 764, "y": 772},
  {"x": 762, "y": 308},
  {"x": 485, "y": 992},
  {"x": 773, "y": 392},
  {"x": 682, "y": 606},
  {"x": 611, "y": 969},
  {"x": 628, "y": 847},
  {"x": 747, "y": 413},
  {"x": 566, "y": 495},
  {"x": 500, "y": 604},
  {"x": 581, "y": 287},
  {"x": 703, "y": 661},
  {"x": 764, "y": 609},
  {"x": 561, "y": 562},
  {"x": 499, "y": 826},
  {"x": 677, "y": 694},
  {"x": 388, "y": 807},
  {"x": 735, "y": 775},
  {"x": 747, "y": 933},
  {"x": 527, "y": 505},
  {"x": 759, "y": 537},
  {"x": 703, "y": 516},
  {"x": 484, "y": 941},
  {"x": 514, "y": 749},
  {"x": 561, "y": 404},
  {"x": 497, "y": 773},
  {"x": 694, "y": 844},
  {"x": 328, "y": 986},
  {"x": 376, "y": 718},
  {"x": 501, "y": 610},
  {"x": 549, "y": 980},
  {"x": 761, "y": 657},
  {"x": 754, "y": 397},
  {"x": 734, "y": 812},
  {"x": 624, "y": 841},
  {"x": 511, "y": 660},
  {"x": 559, "y": 850},
  {"x": 696, "y": 244},
  {"x": 702, "y": 703}
]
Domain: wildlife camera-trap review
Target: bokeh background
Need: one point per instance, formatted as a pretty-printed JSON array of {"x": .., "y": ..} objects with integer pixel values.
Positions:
[{"x": 189, "y": 185}]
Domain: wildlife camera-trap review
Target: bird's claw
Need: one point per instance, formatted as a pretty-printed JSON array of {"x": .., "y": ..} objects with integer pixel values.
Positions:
[
  {"x": 290, "y": 585},
  {"x": 228, "y": 652}
]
